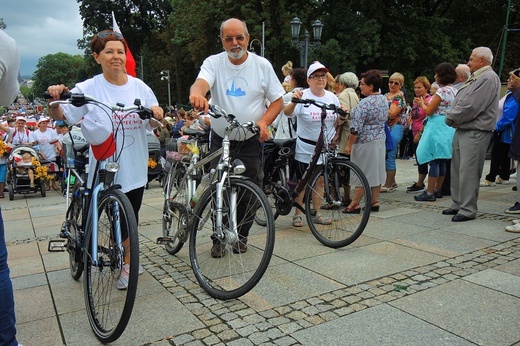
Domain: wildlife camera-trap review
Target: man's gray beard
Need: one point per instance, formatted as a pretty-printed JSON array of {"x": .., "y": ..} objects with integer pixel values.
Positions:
[{"x": 237, "y": 55}]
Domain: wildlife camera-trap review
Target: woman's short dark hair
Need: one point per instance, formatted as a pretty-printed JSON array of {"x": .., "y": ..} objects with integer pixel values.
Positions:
[
  {"x": 98, "y": 44},
  {"x": 446, "y": 73},
  {"x": 299, "y": 76},
  {"x": 374, "y": 78}
]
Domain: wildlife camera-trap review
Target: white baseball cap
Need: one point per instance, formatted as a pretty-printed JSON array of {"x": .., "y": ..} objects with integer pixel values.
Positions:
[
  {"x": 316, "y": 66},
  {"x": 20, "y": 117},
  {"x": 98, "y": 131}
]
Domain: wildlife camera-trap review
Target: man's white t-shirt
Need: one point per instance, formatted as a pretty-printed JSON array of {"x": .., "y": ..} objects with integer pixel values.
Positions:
[
  {"x": 241, "y": 90},
  {"x": 131, "y": 146},
  {"x": 309, "y": 123},
  {"x": 19, "y": 137}
]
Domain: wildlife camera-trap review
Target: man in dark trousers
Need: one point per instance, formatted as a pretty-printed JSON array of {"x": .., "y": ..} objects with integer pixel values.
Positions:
[{"x": 473, "y": 115}]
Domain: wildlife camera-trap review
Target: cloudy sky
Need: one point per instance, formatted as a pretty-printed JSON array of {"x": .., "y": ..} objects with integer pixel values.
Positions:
[{"x": 42, "y": 27}]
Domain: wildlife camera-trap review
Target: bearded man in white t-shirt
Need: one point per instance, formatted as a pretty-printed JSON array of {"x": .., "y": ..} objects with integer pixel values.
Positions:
[{"x": 240, "y": 83}]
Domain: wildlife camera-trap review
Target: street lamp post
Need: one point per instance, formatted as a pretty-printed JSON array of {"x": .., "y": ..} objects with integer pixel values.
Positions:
[
  {"x": 305, "y": 46},
  {"x": 166, "y": 76},
  {"x": 262, "y": 45},
  {"x": 251, "y": 49}
]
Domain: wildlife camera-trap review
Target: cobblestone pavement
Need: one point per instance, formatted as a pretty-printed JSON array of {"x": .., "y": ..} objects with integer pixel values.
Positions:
[
  {"x": 234, "y": 320},
  {"x": 413, "y": 278}
]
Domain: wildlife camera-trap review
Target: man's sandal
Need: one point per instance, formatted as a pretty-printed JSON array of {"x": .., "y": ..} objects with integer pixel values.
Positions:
[{"x": 297, "y": 221}]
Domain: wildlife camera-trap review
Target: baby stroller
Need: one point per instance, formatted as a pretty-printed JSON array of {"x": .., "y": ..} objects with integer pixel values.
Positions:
[
  {"x": 155, "y": 161},
  {"x": 18, "y": 172}
]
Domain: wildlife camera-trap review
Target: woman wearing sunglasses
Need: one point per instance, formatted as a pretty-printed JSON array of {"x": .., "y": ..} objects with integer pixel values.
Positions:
[
  {"x": 396, "y": 120},
  {"x": 309, "y": 128},
  {"x": 113, "y": 86}
]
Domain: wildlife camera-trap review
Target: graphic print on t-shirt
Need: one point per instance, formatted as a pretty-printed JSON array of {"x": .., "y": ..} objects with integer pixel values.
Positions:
[{"x": 237, "y": 87}]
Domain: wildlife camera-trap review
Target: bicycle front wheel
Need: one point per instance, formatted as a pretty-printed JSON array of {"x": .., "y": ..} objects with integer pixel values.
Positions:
[
  {"x": 230, "y": 267},
  {"x": 109, "y": 305},
  {"x": 330, "y": 225}
]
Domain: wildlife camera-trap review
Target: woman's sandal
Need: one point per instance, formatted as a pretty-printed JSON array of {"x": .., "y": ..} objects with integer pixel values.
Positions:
[
  {"x": 297, "y": 221},
  {"x": 375, "y": 206},
  {"x": 385, "y": 189},
  {"x": 353, "y": 208},
  {"x": 322, "y": 220}
]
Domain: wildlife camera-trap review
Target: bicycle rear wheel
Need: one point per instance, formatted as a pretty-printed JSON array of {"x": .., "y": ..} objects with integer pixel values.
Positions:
[
  {"x": 175, "y": 217},
  {"x": 276, "y": 178},
  {"x": 109, "y": 308},
  {"x": 235, "y": 271},
  {"x": 330, "y": 225},
  {"x": 74, "y": 225}
]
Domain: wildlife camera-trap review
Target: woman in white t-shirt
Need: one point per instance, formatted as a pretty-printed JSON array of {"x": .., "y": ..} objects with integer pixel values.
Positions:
[
  {"x": 48, "y": 144},
  {"x": 113, "y": 86},
  {"x": 309, "y": 127}
]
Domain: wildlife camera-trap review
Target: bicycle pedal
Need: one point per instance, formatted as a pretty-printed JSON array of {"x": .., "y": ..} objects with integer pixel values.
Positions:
[
  {"x": 56, "y": 246},
  {"x": 164, "y": 240}
]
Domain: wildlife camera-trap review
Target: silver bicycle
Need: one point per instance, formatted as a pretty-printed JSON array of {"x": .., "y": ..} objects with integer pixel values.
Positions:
[{"x": 223, "y": 214}]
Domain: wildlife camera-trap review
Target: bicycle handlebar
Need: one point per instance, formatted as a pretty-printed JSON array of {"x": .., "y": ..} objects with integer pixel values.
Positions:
[
  {"x": 79, "y": 99},
  {"x": 321, "y": 105},
  {"x": 217, "y": 112}
]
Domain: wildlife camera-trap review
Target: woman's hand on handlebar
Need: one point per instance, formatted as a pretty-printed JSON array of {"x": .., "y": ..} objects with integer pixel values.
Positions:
[
  {"x": 56, "y": 90},
  {"x": 297, "y": 95},
  {"x": 157, "y": 111}
]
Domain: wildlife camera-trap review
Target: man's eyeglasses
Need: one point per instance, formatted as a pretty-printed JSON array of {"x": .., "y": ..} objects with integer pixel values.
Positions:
[
  {"x": 104, "y": 34},
  {"x": 319, "y": 76},
  {"x": 229, "y": 39},
  {"x": 394, "y": 83}
]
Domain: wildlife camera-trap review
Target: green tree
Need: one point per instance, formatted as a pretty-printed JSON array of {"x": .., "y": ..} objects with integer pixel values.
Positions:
[
  {"x": 408, "y": 36},
  {"x": 59, "y": 68},
  {"x": 26, "y": 92}
]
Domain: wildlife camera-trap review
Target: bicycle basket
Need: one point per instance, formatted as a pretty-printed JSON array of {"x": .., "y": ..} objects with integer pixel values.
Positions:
[{"x": 182, "y": 146}]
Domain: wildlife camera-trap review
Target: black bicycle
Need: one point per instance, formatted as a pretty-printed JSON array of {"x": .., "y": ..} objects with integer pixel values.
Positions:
[{"x": 327, "y": 187}]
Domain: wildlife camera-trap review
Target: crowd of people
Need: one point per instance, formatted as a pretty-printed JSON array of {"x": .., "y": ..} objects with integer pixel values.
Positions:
[
  {"x": 446, "y": 127},
  {"x": 46, "y": 138}
]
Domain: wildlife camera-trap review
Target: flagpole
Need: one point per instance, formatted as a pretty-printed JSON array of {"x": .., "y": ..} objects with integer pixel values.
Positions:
[{"x": 504, "y": 41}]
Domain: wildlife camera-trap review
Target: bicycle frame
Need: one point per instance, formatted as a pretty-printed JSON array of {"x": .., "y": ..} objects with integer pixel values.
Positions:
[
  {"x": 222, "y": 174},
  {"x": 93, "y": 217},
  {"x": 321, "y": 143}
]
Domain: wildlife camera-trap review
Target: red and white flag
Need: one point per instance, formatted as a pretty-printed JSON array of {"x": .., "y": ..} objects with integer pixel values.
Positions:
[{"x": 130, "y": 61}]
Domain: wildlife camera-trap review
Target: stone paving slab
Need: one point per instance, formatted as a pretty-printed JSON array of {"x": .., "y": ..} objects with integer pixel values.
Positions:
[
  {"x": 380, "y": 325},
  {"x": 443, "y": 242},
  {"x": 497, "y": 280},
  {"x": 476, "y": 313},
  {"x": 44, "y": 331},
  {"x": 355, "y": 265}
]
